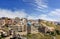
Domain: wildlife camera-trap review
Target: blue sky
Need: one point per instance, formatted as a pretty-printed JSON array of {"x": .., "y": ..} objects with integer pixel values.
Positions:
[{"x": 31, "y": 9}]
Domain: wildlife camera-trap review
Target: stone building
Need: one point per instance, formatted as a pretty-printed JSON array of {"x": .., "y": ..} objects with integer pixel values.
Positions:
[
  {"x": 20, "y": 26},
  {"x": 2, "y": 21},
  {"x": 24, "y": 26}
]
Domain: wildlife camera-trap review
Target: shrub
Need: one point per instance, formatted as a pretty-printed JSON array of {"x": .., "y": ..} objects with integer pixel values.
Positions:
[
  {"x": 58, "y": 32},
  {"x": 52, "y": 33}
]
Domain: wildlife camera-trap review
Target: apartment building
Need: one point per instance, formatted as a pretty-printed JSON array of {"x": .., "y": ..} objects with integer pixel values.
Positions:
[
  {"x": 24, "y": 26},
  {"x": 32, "y": 26},
  {"x": 20, "y": 26}
]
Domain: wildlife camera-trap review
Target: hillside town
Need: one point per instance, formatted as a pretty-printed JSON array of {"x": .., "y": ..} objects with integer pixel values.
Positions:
[{"x": 18, "y": 28}]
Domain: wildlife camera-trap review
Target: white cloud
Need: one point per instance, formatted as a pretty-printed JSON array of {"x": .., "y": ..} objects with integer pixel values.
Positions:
[
  {"x": 55, "y": 12},
  {"x": 48, "y": 16},
  {"x": 45, "y": 17},
  {"x": 31, "y": 17},
  {"x": 12, "y": 14},
  {"x": 41, "y": 5},
  {"x": 51, "y": 16}
]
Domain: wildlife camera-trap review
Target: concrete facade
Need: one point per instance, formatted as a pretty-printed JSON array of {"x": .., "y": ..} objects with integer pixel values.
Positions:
[{"x": 21, "y": 26}]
